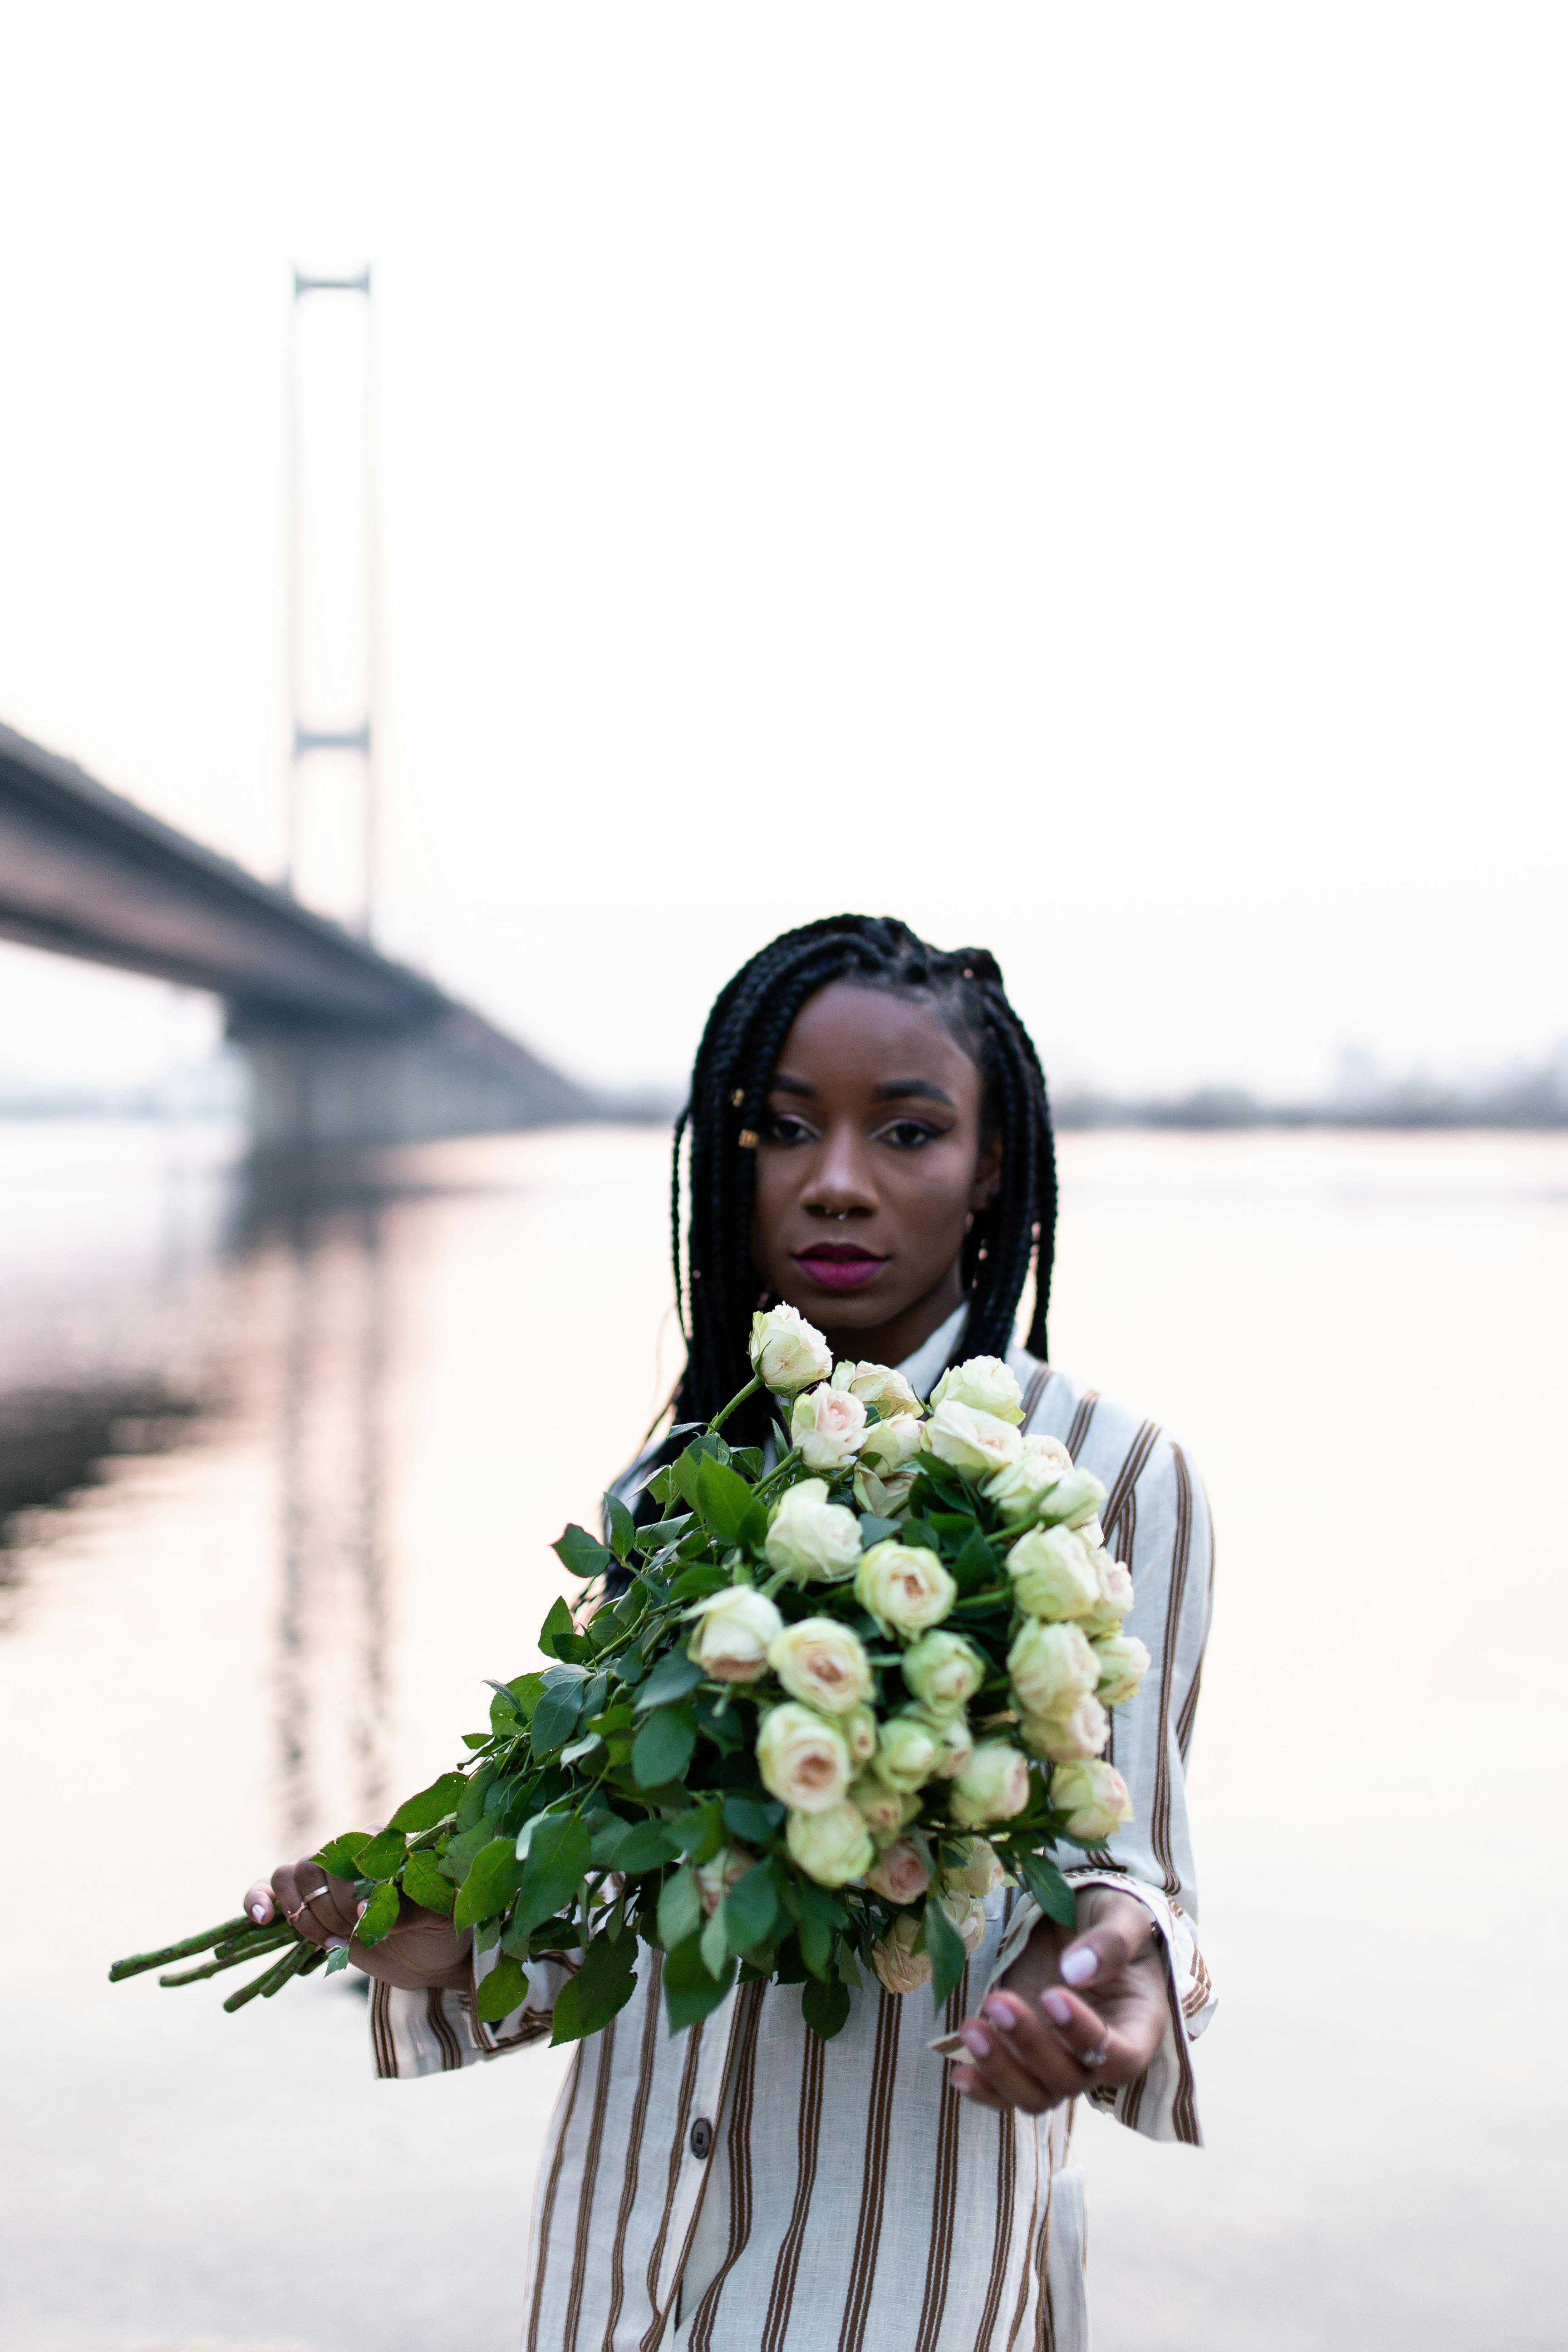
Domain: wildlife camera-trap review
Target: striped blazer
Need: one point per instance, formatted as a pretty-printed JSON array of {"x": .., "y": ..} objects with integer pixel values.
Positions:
[{"x": 742, "y": 2186}]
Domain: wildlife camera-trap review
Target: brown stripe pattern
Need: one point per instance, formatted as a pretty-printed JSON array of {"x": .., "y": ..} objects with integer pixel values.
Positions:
[
  {"x": 808, "y": 2130},
  {"x": 1127, "y": 1477},
  {"x": 873, "y": 2178},
  {"x": 551, "y": 2186},
  {"x": 1002, "y": 2236},
  {"x": 633, "y": 2159},
  {"x": 442, "y": 2028},
  {"x": 677, "y": 2151},
  {"x": 739, "y": 2147},
  {"x": 945, "y": 2195},
  {"x": 1190, "y": 1704},
  {"x": 606, "y": 2042},
  {"x": 1081, "y": 1421},
  {"x": 1160, "y": 1818},
  {"x": 380, "y": 2040}
]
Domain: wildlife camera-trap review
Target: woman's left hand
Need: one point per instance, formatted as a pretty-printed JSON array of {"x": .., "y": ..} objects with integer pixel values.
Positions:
[{"x": 1099, "y": 1988}]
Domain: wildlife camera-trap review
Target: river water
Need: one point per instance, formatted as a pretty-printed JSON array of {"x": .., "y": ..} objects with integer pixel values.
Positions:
[{"x": 281, "y": 1472}]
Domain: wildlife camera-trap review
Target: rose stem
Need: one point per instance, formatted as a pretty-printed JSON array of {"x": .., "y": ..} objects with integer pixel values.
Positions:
[
  {"x": 233, "y": 1961},
  {"x": 740, "y": 1397},
  {"x": 270, "y": 1979},
  {"x": 140, "y": 1961}
]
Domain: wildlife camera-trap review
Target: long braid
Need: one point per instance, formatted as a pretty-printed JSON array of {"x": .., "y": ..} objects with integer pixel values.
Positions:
[{"x": 731, "y": 1079}]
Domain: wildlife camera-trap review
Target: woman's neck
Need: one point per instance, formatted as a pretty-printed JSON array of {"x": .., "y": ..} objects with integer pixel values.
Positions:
[{"x": 891, "y": 1342}]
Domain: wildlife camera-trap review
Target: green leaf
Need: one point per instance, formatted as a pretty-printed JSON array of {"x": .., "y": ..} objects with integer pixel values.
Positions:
[
  {"x": 816, "y": 1938},
  {"x": 558, "y": 1626},
  {"x": 752, "y": 1819},
  {"x": 977, "y": 1565},
  {"x": 683, "y": 1473},
  {"x": 606, "y": 1963},
  {"x": 570, "y": 2020},
  {"x": 679, "y": 1908},
  {"x": 502, "y": 1991},
  {"x": 339, "y": 1857},
  {"x": 558, "y": 1860},
  {"x": 751, "y": 1909},
  {"x": 490, "y": 1885},
  {"x": 662, "y": 1748},
  {"x": 673, "y": 1675},
  {"x": 690, "y": 1992},
  {"x": 381, "y": 1856},
  {"x": 471, "y": 1804},
  {"x": 728, "y": 1503},
  {"x": 945, "y": 1948},
  {"x": 578, "y": 1749},
  {"x": 697, "y": 1584},
  {"x": 714, "y": 1944},
  {"x": 641, "y": 1846},
  {"x": 699, "y": 1832},
  {"x": 825, "y": 2008},
  {"x": 580, "y": 1553},
  {"x": 555, "y": 1717},
  {"x": 1049, "y": 1889},
  {"x": 380, "y": 1915},
  {"x": 874, "y": 1530},
  {"x": 623, "y": 1528},
  {"x": 431, "y": 1805},
  {"x": 424, "y": 1882},
  {"x": 337, "y": 1959}
]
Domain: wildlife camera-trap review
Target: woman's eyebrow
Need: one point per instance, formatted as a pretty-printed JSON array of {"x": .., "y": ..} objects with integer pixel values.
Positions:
[
  {"x": 895, "y": 1088},
  {"x": 786, "y": 1085}
]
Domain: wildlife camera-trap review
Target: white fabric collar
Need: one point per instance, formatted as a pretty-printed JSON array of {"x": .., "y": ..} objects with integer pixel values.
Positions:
[{"x": 925, "y": 1367}]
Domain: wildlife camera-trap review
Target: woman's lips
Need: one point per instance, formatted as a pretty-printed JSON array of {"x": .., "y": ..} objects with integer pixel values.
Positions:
[{"x": 839, "y": 1266}]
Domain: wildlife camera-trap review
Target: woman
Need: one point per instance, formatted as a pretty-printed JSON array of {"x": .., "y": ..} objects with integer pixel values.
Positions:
[{"x": 869, "y": 1142}]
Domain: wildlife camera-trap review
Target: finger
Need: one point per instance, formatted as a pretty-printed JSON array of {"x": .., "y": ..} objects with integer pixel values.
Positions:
[
  {"x": 315, "y": 1905},
  {"x": 1026, "y": 2064},
  {"x": 1087, "y": 2036},
  {"x": 258, "y": 1904},
  {"x": 1120, "y": 1932},
  {"x": 968, "y": 2084}
]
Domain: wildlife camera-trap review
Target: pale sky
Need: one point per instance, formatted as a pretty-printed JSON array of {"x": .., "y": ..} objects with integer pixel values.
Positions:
[{"x": 1092, "y": 481}]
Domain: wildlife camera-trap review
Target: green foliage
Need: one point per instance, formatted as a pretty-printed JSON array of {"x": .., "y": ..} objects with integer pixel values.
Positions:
[
  {"x": 1049, "y": 1888},
  {"x": 424, "y": 1882},
  {"x": 559, "y": 1710},
  {"x": 501, "y": 1991},
  {"x": 669, "y": 1681},
  {"x": 558, "y": 1626},
  {"x": 679, "y": 1908},
  {"x": 825, "y": 2008},
  {"x": 381, "y": 1856},
  {"x": 753, "y": 1820},
  {"x": 431, "y": 1805},
  {"x": 558, "y": 1860},
  {"x": 751, "y": 1907},
  {"x": 621, "y": 1525},
  {"x": 581, "y": 1554},
  {"x": 690, "y": 1992},
  {"x": 380, "y": 1915},
  {"x": 728, "y": 1503},
  {"x": 488, "y": 1885},
  {"x": 662, "y": 1748},
  {"x": 339, "y": 1857},
  {"x": 944, "y": 1949}
]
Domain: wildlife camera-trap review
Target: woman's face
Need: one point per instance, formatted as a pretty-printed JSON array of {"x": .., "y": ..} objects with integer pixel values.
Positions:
[{"x": 869, "y": 1169}]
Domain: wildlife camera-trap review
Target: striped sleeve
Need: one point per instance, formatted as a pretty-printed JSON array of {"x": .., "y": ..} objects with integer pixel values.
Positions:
[
  {"x": 438, "y": 2031},
  {"x": 1157, "y": 1520}
]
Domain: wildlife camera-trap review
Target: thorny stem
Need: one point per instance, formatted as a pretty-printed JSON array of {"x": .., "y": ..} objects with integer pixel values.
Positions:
[{"x": 719, "y": 1419}]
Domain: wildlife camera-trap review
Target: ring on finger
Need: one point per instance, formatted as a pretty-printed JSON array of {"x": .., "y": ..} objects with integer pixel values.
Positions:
[
  {"x": 1092, "y": 2060},
  {"x": 305, "y": 1902}
]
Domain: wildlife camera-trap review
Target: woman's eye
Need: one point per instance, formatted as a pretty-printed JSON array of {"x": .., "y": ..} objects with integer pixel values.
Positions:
[
  {"x": 909, "y": 1134},
  {"x": 782, "y": 1127}
]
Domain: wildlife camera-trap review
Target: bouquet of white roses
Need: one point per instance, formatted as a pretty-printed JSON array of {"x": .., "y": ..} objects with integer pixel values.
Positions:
[{"x": 838, "y": 1701}]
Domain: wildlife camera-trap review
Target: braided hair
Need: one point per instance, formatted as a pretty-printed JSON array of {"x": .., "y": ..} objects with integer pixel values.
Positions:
[{"x": 730, "y": 1086}]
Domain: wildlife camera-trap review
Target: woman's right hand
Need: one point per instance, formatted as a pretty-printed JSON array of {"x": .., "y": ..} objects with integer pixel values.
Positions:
[{"x": 422, "y": 1949}]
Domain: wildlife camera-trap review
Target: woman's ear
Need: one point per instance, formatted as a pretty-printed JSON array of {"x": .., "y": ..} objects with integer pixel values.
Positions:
[{"x": 987, "y": 1177}]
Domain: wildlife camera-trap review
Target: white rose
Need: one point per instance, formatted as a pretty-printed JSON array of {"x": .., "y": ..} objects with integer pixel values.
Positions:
[
  {"x": 993, "y": 1786},
  {"x": 859, "y": 1728},
  {"x": 900, "y": 1967},
  {"x": 1074, "y": 1501},
  {"x": 886, "y": 1810},
  {"x": 1039, "y": 1463},
  {"x": 955, "y": 1737},
  {"x": 1079, "y": 1728},
  {"x": 831, "y": 1845},
  {"x": 909, "y": 1753},
  {"x": 1123, "y": 1663},
  {"x": 902, "y": 1586},
  {"x": 826, "y": 1427},
  {"x": 1094, "y": 1797},
  {"x": 1053, "y": 1573},
  {"x": 984, "y": 1383},
  {"x": 822, "y": 1662},
  {"x": 901, "y": 1874},
  {"x": 1050, "y": 1666},
  {"x": 889, "y": 1446},
  {"x": 1114, "y": 1581},
  {"x": 943, "y": 1669},
  {"x": 810, "y": 1539},
  {"x": 971, "y": 1440},
  {"x": 968, "y": 1915},
  {"x": 803, "y": 1757},
  {"x": 715, "y": 1878},
  {"x": 878, "y": 1385},
  {"x": 883, "y": 1497},
  {"x": 977, "y": 1874},
  {"x": 733, "y": 1629},
  {"x": 786, "y": 1351}
]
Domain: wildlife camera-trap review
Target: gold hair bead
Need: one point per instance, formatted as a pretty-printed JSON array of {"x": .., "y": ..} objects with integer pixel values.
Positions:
[
  {"x": 747, "y": 1138},
  {"x": 738, "y": 1098}
]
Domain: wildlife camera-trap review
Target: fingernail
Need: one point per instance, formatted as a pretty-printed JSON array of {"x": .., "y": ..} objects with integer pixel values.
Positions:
[
  {"x": 1079, "y": 1967},
  {"x": 336, "y": 1944},
  {"x": 1002, "y": 2007},
  {"x": 977, "y": 2041},
  {"x": 961, "y": 2080},
  {"x": 259, "y": 1912},
  {"x": 359, "y": 1910},
  {"x": 1056, "y": 2006}
]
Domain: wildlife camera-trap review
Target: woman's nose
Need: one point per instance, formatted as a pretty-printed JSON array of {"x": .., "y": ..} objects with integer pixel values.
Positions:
[{"x": 841, "y": 1183}]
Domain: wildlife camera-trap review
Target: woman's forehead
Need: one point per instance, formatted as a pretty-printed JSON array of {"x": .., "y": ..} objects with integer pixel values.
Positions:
[{"x": 882, "y": 1041}]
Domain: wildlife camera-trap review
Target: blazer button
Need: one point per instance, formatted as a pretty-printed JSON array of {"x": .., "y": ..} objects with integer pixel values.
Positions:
[{"x": 701, "y": 2139}]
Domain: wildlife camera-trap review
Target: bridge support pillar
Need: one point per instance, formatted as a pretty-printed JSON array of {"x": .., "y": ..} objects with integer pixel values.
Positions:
[{"x": 325, "y": 1089}]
